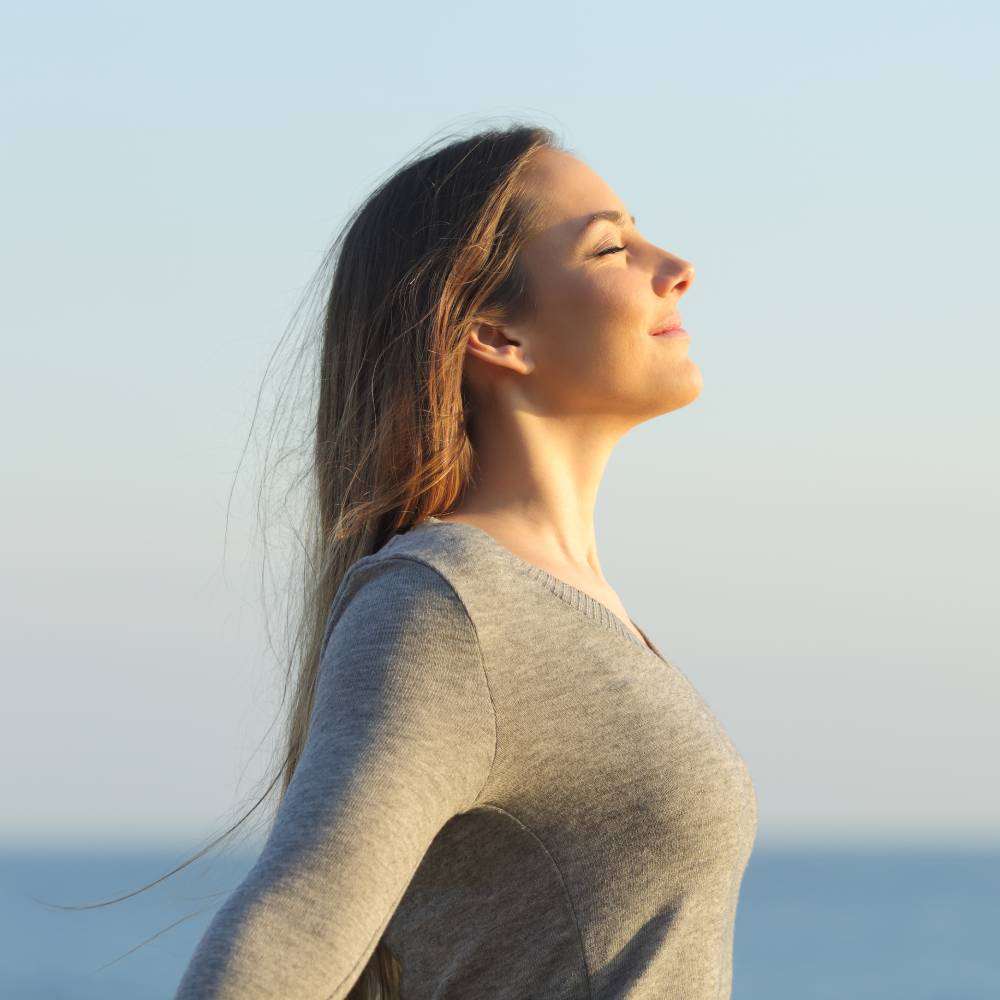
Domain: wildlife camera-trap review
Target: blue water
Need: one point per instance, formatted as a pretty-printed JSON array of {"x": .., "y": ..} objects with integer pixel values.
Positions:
[{"x": 843, "y": 924}]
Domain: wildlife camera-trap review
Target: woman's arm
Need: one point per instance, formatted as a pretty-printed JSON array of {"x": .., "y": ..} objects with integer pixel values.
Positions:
[{"x": 401, "y": 738}]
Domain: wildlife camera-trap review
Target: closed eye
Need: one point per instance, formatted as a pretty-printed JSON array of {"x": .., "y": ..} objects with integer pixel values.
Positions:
[{"x": 609, "y": 250}]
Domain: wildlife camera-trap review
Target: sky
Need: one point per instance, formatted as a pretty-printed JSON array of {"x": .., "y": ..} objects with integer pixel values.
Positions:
[{"x": 813, "y": 540}]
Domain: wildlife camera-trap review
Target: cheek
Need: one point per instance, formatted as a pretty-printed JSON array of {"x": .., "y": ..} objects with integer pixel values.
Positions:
[
  {"x": 610, "y": 294},
  {"x": 593, "y": 342},
  {"x": 613, "y": 317},
  {"x": 593, "y": 312}
]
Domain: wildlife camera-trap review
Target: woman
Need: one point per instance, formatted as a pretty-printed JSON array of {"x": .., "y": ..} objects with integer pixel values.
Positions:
[{"x": 497, "y": 786}]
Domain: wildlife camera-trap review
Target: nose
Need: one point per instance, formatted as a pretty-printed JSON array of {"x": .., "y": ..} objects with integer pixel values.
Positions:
[{"x": 674, "y": 276}]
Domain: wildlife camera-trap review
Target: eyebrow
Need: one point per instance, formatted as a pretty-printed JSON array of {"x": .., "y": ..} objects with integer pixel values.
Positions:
[{"x": 609, "y": 213}]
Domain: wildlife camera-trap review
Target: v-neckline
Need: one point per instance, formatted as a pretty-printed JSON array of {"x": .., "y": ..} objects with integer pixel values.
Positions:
[{"x": 590, "y": 606}]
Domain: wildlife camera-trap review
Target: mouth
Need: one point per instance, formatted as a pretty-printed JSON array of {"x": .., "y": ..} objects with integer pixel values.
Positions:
[{"x": 671, "y": 326}]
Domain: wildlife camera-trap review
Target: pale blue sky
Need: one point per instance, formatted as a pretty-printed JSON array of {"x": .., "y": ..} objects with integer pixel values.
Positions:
[{"x": 813, "y": 540}]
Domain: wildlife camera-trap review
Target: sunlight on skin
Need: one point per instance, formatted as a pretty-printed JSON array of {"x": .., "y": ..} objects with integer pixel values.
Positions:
[{"x": 555, "y": 393}]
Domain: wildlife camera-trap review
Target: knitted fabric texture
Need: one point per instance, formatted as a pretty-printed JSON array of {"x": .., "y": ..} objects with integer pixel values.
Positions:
[{"x": 526, "y": 800}]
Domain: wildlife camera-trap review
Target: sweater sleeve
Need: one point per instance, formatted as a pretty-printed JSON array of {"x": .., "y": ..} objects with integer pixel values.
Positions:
[{"x": 401, "y": 738}]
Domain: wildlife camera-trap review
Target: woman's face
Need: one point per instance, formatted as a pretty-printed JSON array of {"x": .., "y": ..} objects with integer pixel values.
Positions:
[{"x": 588, "y": 348}]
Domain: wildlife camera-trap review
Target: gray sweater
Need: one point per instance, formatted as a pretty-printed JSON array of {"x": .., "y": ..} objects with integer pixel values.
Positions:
[{"x": 524, "y": 799}]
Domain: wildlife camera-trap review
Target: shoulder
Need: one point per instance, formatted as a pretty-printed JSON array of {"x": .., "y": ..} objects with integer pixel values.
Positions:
[
  {"x": 397, "y": 590},
  {"x": 425, "y": 567},
  {"x": 400, "y": 645}
]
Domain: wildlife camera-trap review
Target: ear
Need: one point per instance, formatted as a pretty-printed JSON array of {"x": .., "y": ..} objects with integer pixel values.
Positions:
[{"x": 503, "y": 346}]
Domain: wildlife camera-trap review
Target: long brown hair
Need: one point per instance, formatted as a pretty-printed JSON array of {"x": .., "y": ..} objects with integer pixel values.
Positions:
[{"x": 434, "y": 249}]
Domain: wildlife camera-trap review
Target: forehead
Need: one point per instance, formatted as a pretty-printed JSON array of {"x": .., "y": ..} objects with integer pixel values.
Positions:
[{"x": 569, "y": 192}]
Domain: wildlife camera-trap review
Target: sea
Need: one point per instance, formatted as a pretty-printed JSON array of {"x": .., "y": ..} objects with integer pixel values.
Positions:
[{"x": 813, "y": 923}]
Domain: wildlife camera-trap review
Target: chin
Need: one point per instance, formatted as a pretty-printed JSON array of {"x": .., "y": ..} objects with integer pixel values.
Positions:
[
  {"x": 684, "y": 392},
  {"x": 698, "y": 383}
]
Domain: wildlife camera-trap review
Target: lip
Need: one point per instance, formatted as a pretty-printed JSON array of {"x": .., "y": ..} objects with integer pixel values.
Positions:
[{"x": 671, "y": 327}]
